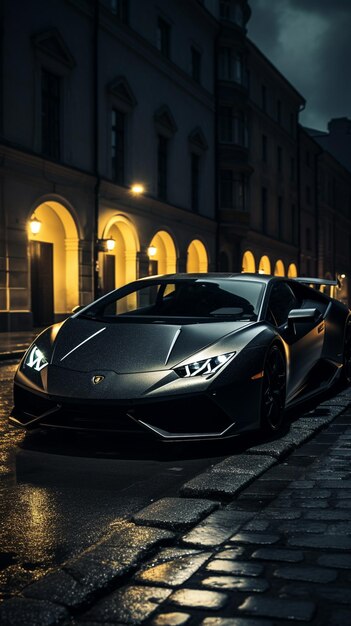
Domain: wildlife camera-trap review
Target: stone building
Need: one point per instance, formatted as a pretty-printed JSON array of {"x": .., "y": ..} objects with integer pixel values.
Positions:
[
  {"x": 325, "y": 213},
  {"x": 139, "y": 138},
  {"x": 257, "y": 153},
  {"x": 97, "y": 97}
]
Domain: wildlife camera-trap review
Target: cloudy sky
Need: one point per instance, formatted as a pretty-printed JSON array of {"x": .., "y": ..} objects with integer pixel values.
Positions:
[{"x": 309, "y": 41}]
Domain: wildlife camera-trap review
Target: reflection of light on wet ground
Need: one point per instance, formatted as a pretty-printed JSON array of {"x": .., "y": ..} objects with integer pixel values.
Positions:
[
  {"x": 41, "y": 511},
  {"x": 28, "y": 523},
  {"x": 59, "y": 493}
]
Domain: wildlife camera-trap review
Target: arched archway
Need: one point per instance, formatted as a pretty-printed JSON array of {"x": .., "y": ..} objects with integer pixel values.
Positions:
[
  {"x": 165, "y": 258},
  {"x": 279, "y": 269},
  {"x": 264, "y": 266},
  {"x": 292, "y": 270},
  {"x": 197, "y": 259},
  {"x": 54, "y": 263},
  {"x": 248, "y": 262},
  {"x": 120, "y": 264}
]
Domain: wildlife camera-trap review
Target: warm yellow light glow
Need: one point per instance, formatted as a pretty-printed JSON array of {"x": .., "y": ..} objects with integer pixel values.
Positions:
[
  {"x": 110, "y": 244},
  {"x": 152, "y": 250},
  {"x": 34, "y": 225},
  {"x": 248, "y": 262},
  {"x": 197, "y": 259},
  {"x": 292, "y": 270},
  {"x": 166, "y": 255},
  {"x": 264, "y": 265},
  {"x": 137, "y": 188},
  {"x": 343, "y": 276}
]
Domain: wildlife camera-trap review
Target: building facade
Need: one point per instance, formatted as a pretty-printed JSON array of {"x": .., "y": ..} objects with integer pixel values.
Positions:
[
  {"x": 257, "y": 153},
  {"x": 96, "y": 97},
  {"x": 140, "y": 138},
  {"x": 284, "y": 203},
  {"x": 337, "y": 140}
]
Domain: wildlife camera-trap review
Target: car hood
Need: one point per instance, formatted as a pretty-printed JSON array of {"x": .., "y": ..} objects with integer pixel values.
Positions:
[{"x": 85, "y": 345}]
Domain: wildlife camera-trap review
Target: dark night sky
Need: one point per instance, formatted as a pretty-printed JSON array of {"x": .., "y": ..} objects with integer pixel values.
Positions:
[{"x": 309, "y": 41}]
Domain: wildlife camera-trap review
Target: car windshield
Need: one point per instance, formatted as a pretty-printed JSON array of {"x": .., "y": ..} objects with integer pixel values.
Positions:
[{"x": 205, "y": 300}]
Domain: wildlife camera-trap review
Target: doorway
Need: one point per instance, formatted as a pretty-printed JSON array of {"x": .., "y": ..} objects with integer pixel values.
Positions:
[
  {"x": 42, "y": 281},
  {"x": 109, "y": 272}
]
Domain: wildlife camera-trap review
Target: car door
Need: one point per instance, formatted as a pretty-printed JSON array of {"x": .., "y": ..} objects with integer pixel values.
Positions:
[{"x": 304, "y": 339}]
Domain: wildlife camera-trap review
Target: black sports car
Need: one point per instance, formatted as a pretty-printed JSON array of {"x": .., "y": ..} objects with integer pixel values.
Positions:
[{"x": 185, "y": 356}]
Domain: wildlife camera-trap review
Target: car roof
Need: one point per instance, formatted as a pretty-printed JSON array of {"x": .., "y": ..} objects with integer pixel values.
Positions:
[{"x": 263, "y": 278}]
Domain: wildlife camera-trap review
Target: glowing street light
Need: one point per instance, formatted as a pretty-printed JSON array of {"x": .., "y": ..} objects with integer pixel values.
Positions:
[
  {"x": 34, "y": 225},
  {"x": 110, "y": 244},
  {"x": 137, "y": 189},
  {"x": 151, "y": 251},
  {"x": 106, "y": 245}
]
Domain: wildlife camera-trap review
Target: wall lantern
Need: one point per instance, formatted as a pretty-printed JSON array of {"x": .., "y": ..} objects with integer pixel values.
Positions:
[
  {"x": 340, "y": 280},
  {"x": 137, "y": 189},
  {"x": 106, "y": 245},
  {"x": 34, "y": 225},
  {"x": 110, "y": 244},
  {"x": 151, "y": 251}
]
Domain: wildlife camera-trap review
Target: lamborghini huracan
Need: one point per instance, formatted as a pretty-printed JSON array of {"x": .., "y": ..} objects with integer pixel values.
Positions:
[{"x": 186, "y": 356}]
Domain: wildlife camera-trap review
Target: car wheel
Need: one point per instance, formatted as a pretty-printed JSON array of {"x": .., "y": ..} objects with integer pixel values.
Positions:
[
  {"x": 273, "y": 391},
  {"x": 346, "y": 368}
]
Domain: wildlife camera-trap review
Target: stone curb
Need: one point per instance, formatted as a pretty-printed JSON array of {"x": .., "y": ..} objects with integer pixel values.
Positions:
[
  {"x": 79, "y": 582},
  {"x": 166, "y": 513},
  {"x": 82, "y": 579}
]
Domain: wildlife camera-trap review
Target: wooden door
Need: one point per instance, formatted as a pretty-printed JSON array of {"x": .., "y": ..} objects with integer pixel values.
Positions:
[
  {"x": 42, "y": 283},
  {"x": 153, "y": 267},
  {"x": 109, "y": 269}
]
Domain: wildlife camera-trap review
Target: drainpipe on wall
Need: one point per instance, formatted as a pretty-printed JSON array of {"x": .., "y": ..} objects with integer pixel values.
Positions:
[
  {"x": 298, "y": 166},
  {"x": 96, "y": 149},
  {"x": 316, "y": 208}
]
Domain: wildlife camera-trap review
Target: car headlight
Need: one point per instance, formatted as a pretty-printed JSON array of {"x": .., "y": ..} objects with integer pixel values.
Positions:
[
  {"x": 35, "y": 359},
  {"x": 204, "y": 368}
]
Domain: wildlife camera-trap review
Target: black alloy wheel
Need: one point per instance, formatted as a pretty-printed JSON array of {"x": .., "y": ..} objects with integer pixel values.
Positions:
[
  {"x": 273, "y": 391},
  {"x": 346, "y": 368}
]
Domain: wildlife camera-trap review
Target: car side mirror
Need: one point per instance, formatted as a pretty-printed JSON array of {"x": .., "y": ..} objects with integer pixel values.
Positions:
[{"x": 298, "y": 316}]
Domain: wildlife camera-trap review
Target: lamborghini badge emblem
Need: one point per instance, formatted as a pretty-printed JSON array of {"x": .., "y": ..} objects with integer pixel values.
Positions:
[{"x": 97, "y": 379}]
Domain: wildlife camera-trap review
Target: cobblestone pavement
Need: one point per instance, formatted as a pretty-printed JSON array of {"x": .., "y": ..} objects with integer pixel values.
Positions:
[{"x": 261, "y": 538}]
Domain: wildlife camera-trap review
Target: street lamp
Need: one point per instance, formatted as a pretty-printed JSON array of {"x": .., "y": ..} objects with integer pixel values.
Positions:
[
  {"x": 110, "y": 244},
  {"x": 137, "y": 189},
  {"x": 34, "y": 225},
  {"x": 106, "y": 245},
  {"x": 152, "y": 250}
]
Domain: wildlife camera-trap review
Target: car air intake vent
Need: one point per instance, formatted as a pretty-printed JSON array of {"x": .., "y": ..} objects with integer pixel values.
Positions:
[{"x": 30, "y": 403}]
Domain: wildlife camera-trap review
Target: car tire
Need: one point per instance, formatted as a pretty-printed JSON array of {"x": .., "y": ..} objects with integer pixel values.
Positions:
[
  {"x": 346, "y": 367},
  {"x": 273, "y": 391}
]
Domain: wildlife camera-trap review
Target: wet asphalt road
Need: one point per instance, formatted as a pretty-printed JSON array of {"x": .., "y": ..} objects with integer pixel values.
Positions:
[{"x": 59, "y": 494}]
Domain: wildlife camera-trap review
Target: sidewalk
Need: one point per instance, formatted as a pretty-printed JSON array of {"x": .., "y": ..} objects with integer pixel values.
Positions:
[
  {"x": 14, "y": 344},
  {"x": 262, "y": 538}
]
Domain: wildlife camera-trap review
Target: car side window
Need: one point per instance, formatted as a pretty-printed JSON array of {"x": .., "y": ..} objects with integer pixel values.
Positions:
[{"x": 281, "y": 301}]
